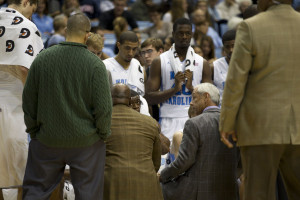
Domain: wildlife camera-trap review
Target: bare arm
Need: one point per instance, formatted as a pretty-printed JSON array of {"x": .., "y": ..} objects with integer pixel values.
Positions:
[
  {"x": 153, "y": 95},
  {"x": 211, "y": 65},
  {"x": 17, "y": 71},
  {"x": 206, "y": 73},
  {"x": 156, "y": 154}
]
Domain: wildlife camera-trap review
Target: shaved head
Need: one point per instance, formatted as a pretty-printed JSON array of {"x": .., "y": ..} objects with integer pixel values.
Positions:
[
  {"x": 78, "y": 25},
  {"x": 120, "y": 94}
]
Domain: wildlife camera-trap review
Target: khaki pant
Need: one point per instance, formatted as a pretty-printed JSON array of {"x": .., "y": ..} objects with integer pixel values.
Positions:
[{"x": 260, "y": 166}]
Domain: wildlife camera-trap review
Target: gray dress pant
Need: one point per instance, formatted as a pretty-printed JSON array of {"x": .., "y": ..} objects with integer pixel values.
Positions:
[{"x": 45, "y": 168}]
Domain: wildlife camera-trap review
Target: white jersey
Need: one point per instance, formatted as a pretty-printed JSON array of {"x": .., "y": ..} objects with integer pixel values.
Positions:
[
  {"x": 133, "y": 76},
  {"x": 220, "y": 74},
  {"x": 178, "y": 105},
  {"x": 20, "y": 42}
]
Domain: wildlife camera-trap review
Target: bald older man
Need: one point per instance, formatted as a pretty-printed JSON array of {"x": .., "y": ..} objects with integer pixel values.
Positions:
[
  {"x": 67, "y": 106},
  {"x": 132, "y": 152}
]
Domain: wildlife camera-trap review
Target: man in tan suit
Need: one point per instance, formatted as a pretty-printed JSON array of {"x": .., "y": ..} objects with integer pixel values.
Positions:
[
  {"x": 261, "y": 109},
  {"x": 132, "y": 152}
]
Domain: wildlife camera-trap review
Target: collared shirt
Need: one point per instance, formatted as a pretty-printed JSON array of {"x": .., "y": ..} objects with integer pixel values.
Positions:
[{"x": 210, "y": 107}]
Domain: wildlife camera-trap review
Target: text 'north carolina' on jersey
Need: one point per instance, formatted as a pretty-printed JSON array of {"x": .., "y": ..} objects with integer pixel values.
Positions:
[
  {"x": 133, "y": 76},
  {"x": 178, "y": 104}
]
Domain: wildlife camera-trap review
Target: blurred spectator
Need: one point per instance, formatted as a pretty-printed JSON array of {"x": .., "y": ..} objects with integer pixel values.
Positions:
[
  {"x": 178, "y": 10},
  {"x": 70, "y": 7},
  {"x": 43, "y": 22},
  {"x": 212, "y": 10},
  {"x": 243, "y": 5},
  {"x": 91, "y": 9},
  {"x": 235, "y": 21},
  {"x": 198, "y": 50},
  {"x": 95, "y": 45},
  {"x": 160, "y": 29},
  {"x": 107, "y": 18},
  {"x": 120, "y": 25},
  {"x": 207, "y": 47},
  {"x": 106, "y": 52},
  {"x": 106, "y": 5},
  {"x": 296, "y": 5},
  {"x": 59, "y": 24},
  {"x": 228, "y": 9},
  {"x": 152, "y": 48},
  {"x": 54, "y": 7},
  {"x": 202, "y": 4},
  {"x": 201, "y": 27},
  {"x": 3, "y": 3},
  {"x": 139, "y": 10},
  {"x": 168, "y": 43},
  {"x": 250, "y": 11}
]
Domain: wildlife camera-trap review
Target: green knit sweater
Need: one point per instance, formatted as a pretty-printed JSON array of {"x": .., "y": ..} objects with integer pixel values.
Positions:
[{"x": 66, "y": 98}]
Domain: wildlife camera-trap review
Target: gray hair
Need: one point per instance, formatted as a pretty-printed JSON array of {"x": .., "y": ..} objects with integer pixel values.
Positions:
[{"x": 210, "y": 89}]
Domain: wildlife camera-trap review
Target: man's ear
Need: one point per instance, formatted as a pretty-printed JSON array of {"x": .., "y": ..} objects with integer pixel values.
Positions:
[
  {"x": 25, "y": 2},
  {"x": 207, "y": 97},
  {"x": 87, "y": 35},
  {"x": 161, "y": 50},
  {"x": 119, "y": 45}
]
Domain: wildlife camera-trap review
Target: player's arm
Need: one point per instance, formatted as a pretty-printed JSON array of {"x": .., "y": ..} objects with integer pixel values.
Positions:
[
  {"x": 153, "y": 95},
  {"x": 211, "y": 65},
  {"x": 206, "y": 73}
]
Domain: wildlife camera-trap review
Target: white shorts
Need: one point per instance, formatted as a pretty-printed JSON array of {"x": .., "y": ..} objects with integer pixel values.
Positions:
[{"x": 171, "y": 125}]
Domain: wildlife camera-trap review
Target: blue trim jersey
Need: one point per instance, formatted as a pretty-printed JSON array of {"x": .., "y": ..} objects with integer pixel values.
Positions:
[
  {"x": 178, "y": 104},
  {"x": 220, "y": 74}
]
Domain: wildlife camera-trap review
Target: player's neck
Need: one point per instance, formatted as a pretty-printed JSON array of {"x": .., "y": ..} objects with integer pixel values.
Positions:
[
  {"x": 15, "y": 7},
  {"x": 122, "y": 62},
  {"x": 181, "y": 52}
]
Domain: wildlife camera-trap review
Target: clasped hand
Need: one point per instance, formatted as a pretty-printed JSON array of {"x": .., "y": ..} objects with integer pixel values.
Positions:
[{"x": 181, "y": 78}]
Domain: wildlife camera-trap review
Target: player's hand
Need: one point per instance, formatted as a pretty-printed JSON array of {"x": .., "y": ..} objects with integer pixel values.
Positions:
[
  {"x": 225, "y": 138},
  {"x": 179, "y": 80},
  {"x": 188, "y": 74}
]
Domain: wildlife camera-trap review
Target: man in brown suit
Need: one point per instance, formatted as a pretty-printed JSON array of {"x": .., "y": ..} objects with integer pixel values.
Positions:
[
  {"x": 261, "y": 107},
  {"x": 132, "y": 152}
]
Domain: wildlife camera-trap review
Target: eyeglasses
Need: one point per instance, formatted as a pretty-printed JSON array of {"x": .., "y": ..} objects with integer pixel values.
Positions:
[{"x": 149, "y": 51}]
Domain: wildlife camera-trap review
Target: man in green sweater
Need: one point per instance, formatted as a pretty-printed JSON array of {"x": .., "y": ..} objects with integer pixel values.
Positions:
[{"x": 67, "y": 106}]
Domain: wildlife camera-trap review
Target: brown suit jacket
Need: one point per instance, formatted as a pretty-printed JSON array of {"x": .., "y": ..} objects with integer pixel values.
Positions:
[
  {"x": 261, "y": 99},
  {"x": 132, "y": 157}
]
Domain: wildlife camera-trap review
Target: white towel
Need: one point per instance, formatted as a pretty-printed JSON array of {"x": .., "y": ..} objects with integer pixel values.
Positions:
[
  {"x": 176, "y": 63},
  {"x": 136, "y": 77},
  {"x": 20, "y": 40}
]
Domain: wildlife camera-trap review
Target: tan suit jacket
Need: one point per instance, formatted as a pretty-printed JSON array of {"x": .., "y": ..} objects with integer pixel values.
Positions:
[
  {"x": 132, "y": 157},
  {"x": 261, "y": 99}
]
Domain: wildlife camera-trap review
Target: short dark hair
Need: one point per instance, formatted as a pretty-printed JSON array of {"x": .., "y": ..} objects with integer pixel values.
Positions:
[
  {"x": 78, "y": 24},
  {"x": 250, "y": 11},
  {"x": 229, "y": 35},
  {"x": 155, "y": 42},
  {"x": 128, "y": 36},
  {"x": 18, "y": 2},
  {"x": 181, "y": 21},
  {"x": 133, "y": 93},
  {"x": 155, "y": 8}
]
